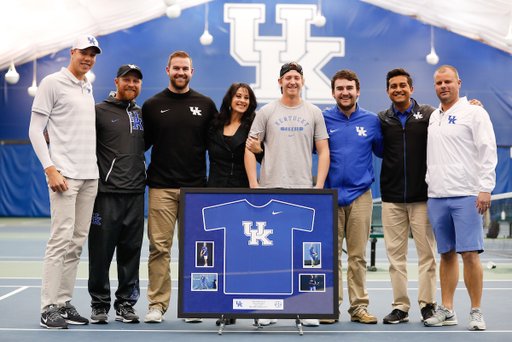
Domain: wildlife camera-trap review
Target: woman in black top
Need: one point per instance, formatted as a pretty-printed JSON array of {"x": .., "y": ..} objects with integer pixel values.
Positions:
[
  {"x": 226, "y": 146},
  {"x": 228, "y": 133}
]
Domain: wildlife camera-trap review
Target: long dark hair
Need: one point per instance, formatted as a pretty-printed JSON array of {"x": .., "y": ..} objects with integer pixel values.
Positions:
[{"x": 224, "y": 117}]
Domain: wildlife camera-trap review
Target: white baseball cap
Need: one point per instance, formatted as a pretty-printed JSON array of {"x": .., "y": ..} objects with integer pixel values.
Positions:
[{"x": 84, "y": 42}]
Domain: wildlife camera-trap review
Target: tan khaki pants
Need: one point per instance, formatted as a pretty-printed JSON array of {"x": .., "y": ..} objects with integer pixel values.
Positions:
[
  {"x": 396, "y": 220},
  {"x": 354, "y": 223},
  {"x": 71, "y": 213},
  {"x": 163, "y": 209}
]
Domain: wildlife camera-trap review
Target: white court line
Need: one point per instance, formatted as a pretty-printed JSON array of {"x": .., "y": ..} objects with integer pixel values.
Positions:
[
  {"x": 14, "y": 292},
  {"x": 253, "y": 331}
]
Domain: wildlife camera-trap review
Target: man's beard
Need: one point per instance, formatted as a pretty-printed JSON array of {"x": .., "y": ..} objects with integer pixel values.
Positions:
[
  {"x": 178, "y": 86},
  {"x": 345, "y": 108}
]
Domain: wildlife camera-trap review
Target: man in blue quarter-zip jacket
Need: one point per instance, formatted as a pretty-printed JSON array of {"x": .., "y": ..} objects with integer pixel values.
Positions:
[
  {"x": 404, "y": 196},
  {"x": 354, "y": 133}
]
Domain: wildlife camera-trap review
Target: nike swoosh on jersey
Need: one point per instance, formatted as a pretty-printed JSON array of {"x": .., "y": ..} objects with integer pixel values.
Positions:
[
  {"x": 115, "y": 120},
  {"x": 276, "y": 212},
  {"x": 333, "y": 130},
  {"x": 165, "y": 110}
]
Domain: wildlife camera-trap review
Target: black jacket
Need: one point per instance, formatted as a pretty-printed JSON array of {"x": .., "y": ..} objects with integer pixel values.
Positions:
[
  {"x": 120, "y": 146},
  {"x": 404, "y": 160},
  {"x": 227, "y": 169}
]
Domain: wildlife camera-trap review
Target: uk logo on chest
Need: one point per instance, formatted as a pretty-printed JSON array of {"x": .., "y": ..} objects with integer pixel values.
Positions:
[
  {"x": 136, "y": 121},
  {"x": 195, "y": 111}
]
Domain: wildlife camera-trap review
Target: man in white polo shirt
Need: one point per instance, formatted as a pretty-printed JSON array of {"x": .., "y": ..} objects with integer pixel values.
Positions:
[{"x": 65, "y": 105}]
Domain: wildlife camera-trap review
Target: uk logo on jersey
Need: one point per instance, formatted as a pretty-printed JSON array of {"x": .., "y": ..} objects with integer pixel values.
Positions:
[
  {"x": 195, "y": 111},
  {"x": 295, "y": 43},
  {"x": 361, "y": 131},
  {"x": 257, "y": 235},
  {"x": 451, "y": 119}
]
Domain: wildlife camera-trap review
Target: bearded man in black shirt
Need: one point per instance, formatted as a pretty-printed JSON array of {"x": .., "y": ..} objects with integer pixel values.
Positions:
[{"x": 176, "y": 123}]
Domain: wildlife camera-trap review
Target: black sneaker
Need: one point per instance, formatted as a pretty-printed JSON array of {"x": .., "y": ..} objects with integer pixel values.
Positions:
[
  {"x": 427, "y": 311},
  {"x": 71, "y": 316},
  {"x": 396, "y": 316},
  {"x": 51, "y": 319},
  {"x": 99, "y": 315},
  {"x": 126, "y": 314}
]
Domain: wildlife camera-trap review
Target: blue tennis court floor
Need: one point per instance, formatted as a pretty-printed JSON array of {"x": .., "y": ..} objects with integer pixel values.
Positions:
[{"x": 22, "y": 245}]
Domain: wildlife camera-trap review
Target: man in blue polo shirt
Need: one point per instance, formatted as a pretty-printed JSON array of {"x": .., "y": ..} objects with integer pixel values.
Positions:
[{"x": 354, "y": 133}]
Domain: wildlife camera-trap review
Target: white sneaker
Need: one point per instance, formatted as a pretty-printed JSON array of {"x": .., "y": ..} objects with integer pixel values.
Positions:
[
  {"x": 476, "y": 319},
  {"x": 154, "y": 316},
  {"x": 310, "y": 322},
  {"x": 193, "y": 320},
  {"x": 265, "y": 321}
]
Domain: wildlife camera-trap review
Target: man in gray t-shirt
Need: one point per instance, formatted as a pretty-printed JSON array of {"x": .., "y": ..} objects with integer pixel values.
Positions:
[{"x": 289, "y": 128}]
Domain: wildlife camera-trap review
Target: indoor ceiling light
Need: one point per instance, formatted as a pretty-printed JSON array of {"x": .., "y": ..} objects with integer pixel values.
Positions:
[
  {"x": 319, "y": 20},
  {"x": 91, "y": 77},
  {"x": 432, "y": 58},
  {"x": 173, "y": 11},
  {"x": 33, "y": 89},
  {"x": 206, "y": 38},
  {"x": 12, "y": 76}
]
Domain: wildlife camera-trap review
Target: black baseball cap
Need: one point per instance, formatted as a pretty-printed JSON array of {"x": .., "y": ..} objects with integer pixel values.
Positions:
[
  {"x": 291, "y": 66},
  {"x": 124, "y": 69}
]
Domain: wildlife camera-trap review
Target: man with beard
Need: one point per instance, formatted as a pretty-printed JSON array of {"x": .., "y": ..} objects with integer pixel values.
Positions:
[
  {"x": 176, "y": 126},
  {"x": 354, "y": 133},
  {"x": 65, "y": 105},
  {"x": 118, "y": 215}
]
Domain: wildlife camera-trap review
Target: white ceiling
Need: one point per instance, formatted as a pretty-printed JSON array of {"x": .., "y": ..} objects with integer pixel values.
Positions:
[
  {"x": 487, "y": 21},
  {"x": 36, "y": 28}
]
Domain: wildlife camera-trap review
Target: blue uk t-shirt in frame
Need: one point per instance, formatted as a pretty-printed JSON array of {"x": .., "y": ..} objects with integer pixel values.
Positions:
[{"x": 258, "y": 233}]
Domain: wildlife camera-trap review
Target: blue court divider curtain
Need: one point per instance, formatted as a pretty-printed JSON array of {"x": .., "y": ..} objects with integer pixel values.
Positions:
[{"x": 24, "y": 192}]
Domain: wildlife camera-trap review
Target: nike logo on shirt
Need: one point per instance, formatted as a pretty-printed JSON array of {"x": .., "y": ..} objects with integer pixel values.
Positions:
[
  {"x": 115, "y": 120},
  {"x": 276, "y": 212},
  {"x": 164, "y": 110}
]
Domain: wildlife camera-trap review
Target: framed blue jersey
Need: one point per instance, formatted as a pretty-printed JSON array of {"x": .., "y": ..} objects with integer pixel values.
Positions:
[{"x": 258, "y": 259}]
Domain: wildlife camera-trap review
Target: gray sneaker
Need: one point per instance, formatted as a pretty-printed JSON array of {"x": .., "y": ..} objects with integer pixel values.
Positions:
[
  {"x": 476, "y": 319},
  {"x": 441, "y": 317},
  {"x": 99, "y": 315},
  {"x": 126, "y": 314}
]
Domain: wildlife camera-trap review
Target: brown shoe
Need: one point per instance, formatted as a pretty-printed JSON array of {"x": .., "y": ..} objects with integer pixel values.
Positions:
[
  {"x": 362, "y": 315},
  {"x": 329, "y": 321}
]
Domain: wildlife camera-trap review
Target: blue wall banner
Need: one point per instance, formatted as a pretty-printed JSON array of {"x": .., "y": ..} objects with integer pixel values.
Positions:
[{"x": 258, "y": 253}]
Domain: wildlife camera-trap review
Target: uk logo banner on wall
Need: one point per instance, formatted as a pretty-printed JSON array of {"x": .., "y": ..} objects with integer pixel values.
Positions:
[{"x": 268, "y": 53}]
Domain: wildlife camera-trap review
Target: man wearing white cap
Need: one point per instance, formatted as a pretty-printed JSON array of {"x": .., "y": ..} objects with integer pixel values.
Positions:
[{"x": 65, "y": 105}]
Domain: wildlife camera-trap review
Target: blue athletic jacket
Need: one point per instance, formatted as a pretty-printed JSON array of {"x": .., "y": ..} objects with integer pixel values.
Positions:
[{"x": 351, "y": 143}]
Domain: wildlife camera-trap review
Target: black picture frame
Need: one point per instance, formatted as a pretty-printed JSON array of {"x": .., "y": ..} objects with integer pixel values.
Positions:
[{"x": 258, "y": 256}]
